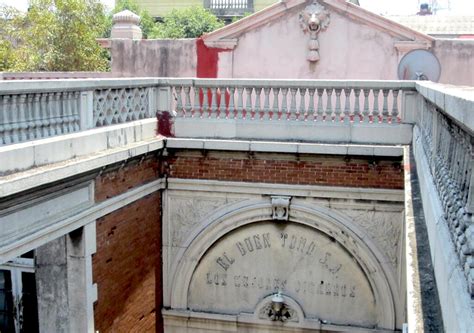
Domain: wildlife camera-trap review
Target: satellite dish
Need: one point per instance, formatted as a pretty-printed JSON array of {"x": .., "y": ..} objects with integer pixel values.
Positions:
[{"x": 419, "y": 65}]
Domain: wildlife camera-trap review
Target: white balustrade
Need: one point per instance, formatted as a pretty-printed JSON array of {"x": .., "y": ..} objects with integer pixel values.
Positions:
[
  {"x": 322, "y": 101},
  {"x": 31, "y": 116}
]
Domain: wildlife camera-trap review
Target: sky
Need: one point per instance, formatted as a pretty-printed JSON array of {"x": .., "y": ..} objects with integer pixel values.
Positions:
[{"x": 384, "y": 7}]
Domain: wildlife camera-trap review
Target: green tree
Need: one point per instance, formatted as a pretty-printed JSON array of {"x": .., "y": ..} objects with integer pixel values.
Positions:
[
  {"x": 57, "y": 35},
  {"x": 7, "y": 34},
  {"x": 190, "y": 22},
  {"x": 147, "y": 23}
]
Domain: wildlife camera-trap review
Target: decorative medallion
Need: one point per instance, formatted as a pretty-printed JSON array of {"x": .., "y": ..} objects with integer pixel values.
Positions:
[
  {"x": 280, "y": 208},
  {"x": 313, "y": 19}
]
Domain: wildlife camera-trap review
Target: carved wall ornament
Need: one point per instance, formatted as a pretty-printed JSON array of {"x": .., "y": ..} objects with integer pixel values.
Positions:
[
  {"x": 283, "y": 313},
  {"x": 280, "y": 207},
  {"x": 313, "y": 19}
]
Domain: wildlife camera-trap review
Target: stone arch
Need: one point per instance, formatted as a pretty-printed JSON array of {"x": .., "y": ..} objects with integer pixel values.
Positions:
[{"x": 325, "y": 220}]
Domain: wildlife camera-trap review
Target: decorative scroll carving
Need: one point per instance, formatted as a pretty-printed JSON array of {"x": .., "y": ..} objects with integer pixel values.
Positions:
[
  {"x": 188, "y": 211},
  {"x": 383, "y": 227},
  {"x": 313, "y": 19},
  {"x": 280, "y": 208}
]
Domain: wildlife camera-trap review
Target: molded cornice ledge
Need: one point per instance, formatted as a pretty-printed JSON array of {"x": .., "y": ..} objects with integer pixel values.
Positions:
[
  {"x": 405, "y": 46},
  {"x": 227, "y": 37}
]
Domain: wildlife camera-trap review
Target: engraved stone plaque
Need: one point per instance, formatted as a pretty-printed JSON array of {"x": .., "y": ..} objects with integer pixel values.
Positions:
[{"x": 308, "y": 266}]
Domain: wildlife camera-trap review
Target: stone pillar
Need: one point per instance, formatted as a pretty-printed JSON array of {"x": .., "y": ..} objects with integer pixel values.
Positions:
[
  {"x": 64, "y": 282},
  {"x": 125, "y": 25}
]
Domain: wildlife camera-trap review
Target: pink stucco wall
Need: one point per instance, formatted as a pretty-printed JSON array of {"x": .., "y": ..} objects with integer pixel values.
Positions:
[
  {"x": 456, "y": 57},
  {"x": 348, "y": 50}
]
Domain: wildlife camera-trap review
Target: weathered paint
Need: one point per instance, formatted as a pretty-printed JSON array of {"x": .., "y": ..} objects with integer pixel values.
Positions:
[{"x": 207, "y": 60}]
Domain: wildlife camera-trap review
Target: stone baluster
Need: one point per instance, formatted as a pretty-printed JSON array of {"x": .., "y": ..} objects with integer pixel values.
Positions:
[
  {"x": 30, "y": 117},
  {"x": 376, "y": 111},
  {"x": 37, "y": 116},
  {"x": 4, "y": 134},
  {"x": 311, "y": 111},
  {"x": 275, "y": 109},
  {"x": 205, "y": 102},
  {"x": 232, "y": 110},
  {"x": 70, "y": 105},
  {"x": 302, "y": 107},
  {"x": 293, "y": 103},
  {"x": 329, "y": 111},
  {"x": 320, "y": 110},
  {"x": 266, "y": 104},
  {"x": 63, "y": 116},
  {"x": 179, "y": 101},
  {"x": 222, "y": 103},
  {"x": 348, "y": 115},
  {"x": 284, "y": 103},
  {"x": 240, "y": 102},
  {"x": 44, "y": 115},
  {"x": 59, "y": 113},
  {"x": 385, "y": 114},
  {"x": 76, "y": 108},
  {"x": 65, "y": 112},
  {"x": 258, "y": 110},
  {"x": 2, "y": 123},
  {"x": 197, "y": 103},
  {"x": 187, "y": 100},
  {"x": 52, "y": 115},
  {"x": 248, "y": 103},
  {"x": 337, "y": 110},
  {"x": 357, "y": 113},
  {"x": 23, "y": 122},
  {"x": 367, "y": 117},
  {"x": 395, "y": 115},
  {"x": 15, "y": 126}
]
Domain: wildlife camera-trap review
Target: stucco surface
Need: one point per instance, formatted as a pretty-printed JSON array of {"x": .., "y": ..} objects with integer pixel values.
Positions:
[
  {"x": 161, "y": 58},
  {"x": 348, "y": 50},
  {"x": 456, "y": 59}
]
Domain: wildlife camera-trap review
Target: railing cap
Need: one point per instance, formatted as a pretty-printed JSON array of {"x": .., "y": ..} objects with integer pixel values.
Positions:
[
  {"x": 457, "y": 102},
  {"x": 38, "y": 86}
]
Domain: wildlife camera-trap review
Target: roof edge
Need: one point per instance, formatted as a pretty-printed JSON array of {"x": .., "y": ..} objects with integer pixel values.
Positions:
[{"x": 381, "y": 22}]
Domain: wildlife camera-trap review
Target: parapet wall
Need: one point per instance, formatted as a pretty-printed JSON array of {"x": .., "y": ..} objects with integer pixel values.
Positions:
[{"x": 153, "y": 58}]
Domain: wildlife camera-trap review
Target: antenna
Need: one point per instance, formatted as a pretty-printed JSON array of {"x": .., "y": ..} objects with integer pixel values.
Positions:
[{"x": 419, "y": 65}]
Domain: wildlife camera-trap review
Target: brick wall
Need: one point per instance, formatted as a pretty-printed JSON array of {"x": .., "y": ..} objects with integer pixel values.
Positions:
[
  {"x": 127, "y": 264},
  {"x": 127, "y": 267},
  {"x": 288, "y": 169},
  {"x": 122, "y": 178}
]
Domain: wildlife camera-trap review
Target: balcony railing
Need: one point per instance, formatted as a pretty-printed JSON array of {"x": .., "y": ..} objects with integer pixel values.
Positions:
[
  {"x": 229, "y": 7},
  {"x": 291, "y": 100}
]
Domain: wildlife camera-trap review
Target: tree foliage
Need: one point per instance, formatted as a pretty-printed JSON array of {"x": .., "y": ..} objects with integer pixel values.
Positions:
[
  {"x": 54, "y": 35},
  {"x": 7, "y": 32},
  {"x": 190, "y": 22}
]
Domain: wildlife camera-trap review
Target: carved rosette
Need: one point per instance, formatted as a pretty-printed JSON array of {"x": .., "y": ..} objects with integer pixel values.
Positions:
[{"x": 313, "y": 19}]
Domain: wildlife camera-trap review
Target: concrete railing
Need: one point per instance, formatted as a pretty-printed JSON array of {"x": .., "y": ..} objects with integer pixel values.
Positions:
[
  {"x": 446, "y": 130},
  {"x": 229, "y": 7},
  {"x": 31, "y": 110},
  {"x": 295, "y": 100}
]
